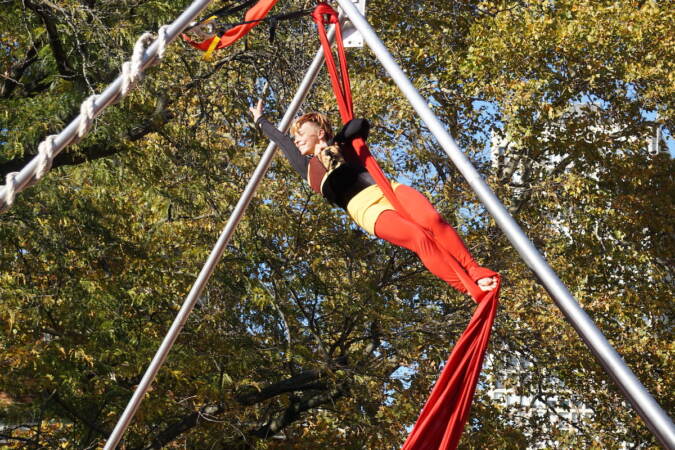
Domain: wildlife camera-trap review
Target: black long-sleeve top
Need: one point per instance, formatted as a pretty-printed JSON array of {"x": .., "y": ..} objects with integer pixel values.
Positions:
[{"x": 330, "y": 173}]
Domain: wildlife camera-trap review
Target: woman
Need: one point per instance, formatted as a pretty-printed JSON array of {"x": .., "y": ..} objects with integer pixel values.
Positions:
[{"x": 319, "y": 158}]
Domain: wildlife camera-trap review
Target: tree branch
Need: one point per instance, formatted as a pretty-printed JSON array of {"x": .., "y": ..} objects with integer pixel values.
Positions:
[
  {"x": 189, "y": 421},
  {"x": 54, "y": 42},
  {"x": 159, "y": 118},
  {"x": 74, "y": 414},
  {"x": 302, "y": 381},
  {"x": 20, "y": 439},
  {"x": 95, "y": 151},
  {"x": 13, "y": 75},
  {"x": 306, "y": 380},
  {"x": 292, "y": 413}
]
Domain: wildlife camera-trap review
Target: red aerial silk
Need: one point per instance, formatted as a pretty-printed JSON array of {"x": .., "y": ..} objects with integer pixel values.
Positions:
[
  {"x": 442, "y": 419},
  {"x": 257, "y": 12}
]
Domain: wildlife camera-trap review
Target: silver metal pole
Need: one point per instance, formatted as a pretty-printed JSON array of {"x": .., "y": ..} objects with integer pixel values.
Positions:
[
  {"x": 215, "y": 255},
  {"x": 107, "y": 97},
  {"x": 655, "y": 418}
]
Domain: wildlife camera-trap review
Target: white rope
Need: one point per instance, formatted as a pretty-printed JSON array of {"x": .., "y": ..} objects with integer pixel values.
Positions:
[
  {"x": 87, "y": 115},
  {"x": 132, "y": 72},
  {"x": 163, "y": 34},
  {"x": 10, "y": 187},
  {"x": 46, "y": 156}
]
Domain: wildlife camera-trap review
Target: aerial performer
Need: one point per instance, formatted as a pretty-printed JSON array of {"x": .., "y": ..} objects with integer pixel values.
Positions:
[
  {"x": 326, "y": 162},
  {"x": 342, "y": 169}
]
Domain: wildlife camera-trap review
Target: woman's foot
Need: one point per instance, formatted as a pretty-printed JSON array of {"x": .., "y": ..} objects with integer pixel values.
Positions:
[{"x": 487, "y": 284}]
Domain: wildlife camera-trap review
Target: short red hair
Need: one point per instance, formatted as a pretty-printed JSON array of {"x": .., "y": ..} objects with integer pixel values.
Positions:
[{"x": 317, "y": 119}]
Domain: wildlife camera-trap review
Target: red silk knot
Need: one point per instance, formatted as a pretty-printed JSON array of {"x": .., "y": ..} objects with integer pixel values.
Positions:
[{"x": 443, "y": 417}]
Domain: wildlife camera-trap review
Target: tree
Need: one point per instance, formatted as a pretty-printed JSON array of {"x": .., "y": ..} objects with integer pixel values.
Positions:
[{"x": 311, "y": 332}]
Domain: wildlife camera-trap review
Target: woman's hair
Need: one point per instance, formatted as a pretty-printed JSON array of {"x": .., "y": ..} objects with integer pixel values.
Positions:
[{"x": 317, "y": 119}]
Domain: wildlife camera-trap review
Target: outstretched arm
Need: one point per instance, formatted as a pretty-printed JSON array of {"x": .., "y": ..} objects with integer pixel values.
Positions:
[{"x": 298, "y": 162}]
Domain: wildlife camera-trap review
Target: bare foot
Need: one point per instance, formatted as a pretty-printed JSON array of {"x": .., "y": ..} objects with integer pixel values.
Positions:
[{"x": 487, "y": 284}]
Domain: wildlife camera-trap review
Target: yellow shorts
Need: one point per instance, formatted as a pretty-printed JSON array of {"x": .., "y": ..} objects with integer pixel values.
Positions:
[{"x": 366, "y": 206}]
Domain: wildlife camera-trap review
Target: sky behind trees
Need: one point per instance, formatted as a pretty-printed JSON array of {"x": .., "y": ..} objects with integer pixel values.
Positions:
[{"x": 311, "y": 333}]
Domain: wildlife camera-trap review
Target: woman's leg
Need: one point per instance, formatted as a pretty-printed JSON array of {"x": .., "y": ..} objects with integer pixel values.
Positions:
[
  {"x": 393, "y": 227},
  {"x": 426, "y": 215}
]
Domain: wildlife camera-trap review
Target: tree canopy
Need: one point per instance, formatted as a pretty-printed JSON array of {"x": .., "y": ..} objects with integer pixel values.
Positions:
[{"x": 312, "y": 333}]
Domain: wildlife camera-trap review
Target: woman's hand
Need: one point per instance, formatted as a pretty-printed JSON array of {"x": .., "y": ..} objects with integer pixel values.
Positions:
[
  {"x": 487, "y": 284},
  {"x": 256, "y": 111}
]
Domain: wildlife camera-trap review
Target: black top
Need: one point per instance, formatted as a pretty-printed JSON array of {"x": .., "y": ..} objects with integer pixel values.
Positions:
[{"x": 341, "y": 184}]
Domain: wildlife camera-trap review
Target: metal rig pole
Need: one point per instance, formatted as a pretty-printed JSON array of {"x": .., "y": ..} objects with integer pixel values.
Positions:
[
  {"x": 653, "y": 415},
  {"x": 214, "y": 257}
]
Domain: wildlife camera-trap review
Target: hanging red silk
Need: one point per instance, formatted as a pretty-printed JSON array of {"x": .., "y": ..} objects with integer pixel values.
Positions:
[
  {"x": 257, "y": 12},
  {"x": 443, "y": 417}
]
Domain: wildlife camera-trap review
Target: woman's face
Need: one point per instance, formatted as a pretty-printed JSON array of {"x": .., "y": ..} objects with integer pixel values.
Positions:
[{"x": 307, "y": 137}]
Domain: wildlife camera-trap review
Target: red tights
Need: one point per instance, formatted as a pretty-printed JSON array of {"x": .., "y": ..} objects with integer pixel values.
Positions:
[{"x": 433, "y": 250}]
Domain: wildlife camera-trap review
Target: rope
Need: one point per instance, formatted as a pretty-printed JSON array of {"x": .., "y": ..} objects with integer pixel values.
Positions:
[
  {"x": 46, "y": 156},
  {"x": 146, "y": 53},
  {"x": 132, "y": 70},
  {"x": 87, "y": 114},
  {"x": 324, "y": 14},
  {"x": 10, "y": 191}
]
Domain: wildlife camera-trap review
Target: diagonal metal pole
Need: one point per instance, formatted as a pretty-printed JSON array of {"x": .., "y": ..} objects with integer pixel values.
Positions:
[
  {"x": 653, "y": 415},
  {"x": 214, "y": 257}
]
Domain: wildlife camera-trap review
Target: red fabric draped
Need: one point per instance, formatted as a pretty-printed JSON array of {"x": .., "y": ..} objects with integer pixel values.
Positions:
[
  {"x": 442, "y": 420},
  {"x": 443, "y": 417},
  {"x": 257, "y": 12}
]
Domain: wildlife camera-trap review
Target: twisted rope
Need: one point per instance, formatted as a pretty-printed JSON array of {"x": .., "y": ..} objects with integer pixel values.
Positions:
[
  {"x": 46, "y": 156},
  {"x": 131, "y": 70},
  {"x": 87, "y": 115},
  {"x": 132, "y": 73},
  {"x": 10, "y": 187}
]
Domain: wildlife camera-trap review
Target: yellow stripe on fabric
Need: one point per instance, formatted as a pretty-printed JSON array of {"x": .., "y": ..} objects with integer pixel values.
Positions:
[{"x": 209, "y": 53}]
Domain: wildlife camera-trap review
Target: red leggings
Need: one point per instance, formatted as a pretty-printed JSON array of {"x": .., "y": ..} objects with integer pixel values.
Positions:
[{"x": 393, "y": 227}]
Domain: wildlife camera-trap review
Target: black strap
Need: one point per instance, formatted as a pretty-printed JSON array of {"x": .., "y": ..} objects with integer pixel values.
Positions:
[{"x": 229, "y": 10}]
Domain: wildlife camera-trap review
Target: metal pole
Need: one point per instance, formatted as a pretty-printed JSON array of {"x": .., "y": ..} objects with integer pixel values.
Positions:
[
  {"x": 215, "y": 256},
  {"x": 655, "y": 418},
  {"x": 107, "y": 97}
]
